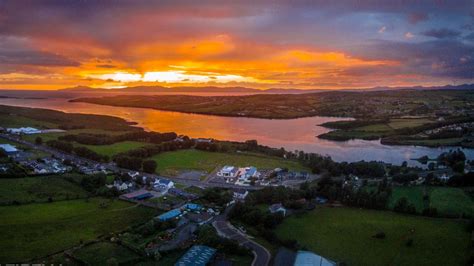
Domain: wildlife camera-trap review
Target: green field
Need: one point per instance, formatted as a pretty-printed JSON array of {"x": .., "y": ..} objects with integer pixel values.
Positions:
[
  {"x": 56, "y": 135},
  {"x": 36, "y": 230},
  {"x": 447, "y": 200},
  {"x": 21, "y": 121},
  {"x": 345, "y": 235},
  {"x": 170, "y": 163},
  {"x": 115, "y": 148},
  {"x": 38, "y": 189},
  {"x": 452, "y": 201},
  {"x": 99, "y": 253},
  {"x": 377, "y": 130},
  {"x": 398, "y": 123},
  {"x": 413, "y": 194}
]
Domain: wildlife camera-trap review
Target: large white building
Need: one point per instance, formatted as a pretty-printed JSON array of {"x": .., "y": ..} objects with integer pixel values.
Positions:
[
  {"x": 8, "y": 148},
  {"x": 228, "y": 171},
  {"x": 23, "y": 130}
]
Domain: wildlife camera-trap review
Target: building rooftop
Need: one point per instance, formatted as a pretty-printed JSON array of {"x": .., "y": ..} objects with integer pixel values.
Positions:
[
  {"x": 8, "y": 148},
  {"x": 197, "y": 255},
  {"x": 169, "y": 215},
  {"x": 306, "y": 258}
]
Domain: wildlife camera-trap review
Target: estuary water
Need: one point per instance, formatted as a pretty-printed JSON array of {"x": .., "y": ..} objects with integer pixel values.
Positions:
[{"x": 291, "y": 134}]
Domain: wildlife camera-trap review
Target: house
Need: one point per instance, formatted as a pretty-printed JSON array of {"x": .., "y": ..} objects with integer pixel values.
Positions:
[
  {"x": 240, "y": 193},
  {"x": 174, "y": 213},
  {"x": 248, "y": 172},
  {"x": 138, "y": 195},
  {"x": 23, "y": 130},
  {"x": 305, "y": 258},
  {"x": 192, "y": 207},
  {"x": 202, "y": 140},
  {"x": 228, "y": 171},
  {"x": 197, "y": 255},
  {"x": 321, "y": 200},
  {"x": 444, "y": 177},
  {"x": 9, "y": 149},
  {"x": 133, "y": 175},
  {"x": 166, "y": 183},
  {"x": 277, "y": 207}
]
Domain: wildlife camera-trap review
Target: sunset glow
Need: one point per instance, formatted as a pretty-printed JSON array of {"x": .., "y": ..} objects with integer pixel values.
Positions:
[{"x": 286, "y": 45}]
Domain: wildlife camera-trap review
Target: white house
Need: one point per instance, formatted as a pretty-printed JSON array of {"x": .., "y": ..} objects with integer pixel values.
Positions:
[
  {"x": 444, "y": 177},
  {"x": 228, "y": 171},
  {"x": 163, "y": 183},
  {"x": 240, "y": 193},
  {"x": 278, "y": 207},
  {"x": 133, "y": 175}
]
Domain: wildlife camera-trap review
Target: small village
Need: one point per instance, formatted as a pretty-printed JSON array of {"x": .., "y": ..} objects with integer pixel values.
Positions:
[{"x": 184, "y": 203}]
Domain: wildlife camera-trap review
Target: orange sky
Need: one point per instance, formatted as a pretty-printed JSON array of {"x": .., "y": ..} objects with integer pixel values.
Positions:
[{"x": 117, "y": 44}]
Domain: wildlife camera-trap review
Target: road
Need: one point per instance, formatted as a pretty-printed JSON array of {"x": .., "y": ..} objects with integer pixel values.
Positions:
[
  {"x": 112, "y": 167},
  {"x": 224, "y": 228}
]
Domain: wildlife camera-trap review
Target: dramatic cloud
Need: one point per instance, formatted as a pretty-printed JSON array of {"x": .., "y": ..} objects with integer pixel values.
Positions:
[
  {"x": 442, "y": 33},
  {"x": 304, "y": 44}
]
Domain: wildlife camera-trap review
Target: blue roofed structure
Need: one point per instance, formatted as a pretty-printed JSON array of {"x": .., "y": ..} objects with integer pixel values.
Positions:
[
  {"x": 192, "y": 207},
  {"x": 169, "y": 215},
  {"x": 197, "y": 255},
  {"x": 306, "y": 258}
]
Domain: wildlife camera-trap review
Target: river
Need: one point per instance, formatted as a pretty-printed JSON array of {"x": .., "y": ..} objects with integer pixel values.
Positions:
[{"x": 291, "y": 134}]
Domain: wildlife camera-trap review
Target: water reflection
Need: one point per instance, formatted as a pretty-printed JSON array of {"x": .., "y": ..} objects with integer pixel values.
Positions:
[{"x": 293, "y": 134}]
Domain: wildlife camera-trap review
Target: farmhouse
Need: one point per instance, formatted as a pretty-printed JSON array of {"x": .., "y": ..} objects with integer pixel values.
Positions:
[
  {"x": 9, "y": 149},
  {"x": 228, "y": 171},
  {"x": 240, "y": 194},
  {"x": 277, "y": 207},
  {"x": 164, "y": 184},
  {"x": 197, "y": 255}
]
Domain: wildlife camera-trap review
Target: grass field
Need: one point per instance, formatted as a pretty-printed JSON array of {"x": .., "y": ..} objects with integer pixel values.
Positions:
[
  {"x": 21, "y": 121},
  {"x": 345, "y": 235},
  {"x": 376, "y": 131},
  {"x": 447, "y": 200},
  {"x": 36, "y": 230},
  {"x": 170, "y": 163},
  {"x": 413, "y": 194},
  {"x": 56, "y": 135},
  {"x": 38, "y": 189},
  {"x": 99, "y": 253},
  {"x": 452, "y": 201},
  {"x": 115, "y": 148}
]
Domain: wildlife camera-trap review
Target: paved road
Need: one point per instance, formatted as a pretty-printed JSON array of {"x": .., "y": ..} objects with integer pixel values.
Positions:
[
  {"x": 261, "y": 255},
  {"x": 112, "y": 167}
]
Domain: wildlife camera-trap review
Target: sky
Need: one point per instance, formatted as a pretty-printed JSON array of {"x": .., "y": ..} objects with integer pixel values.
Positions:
[{"x": 259, "y": 44}]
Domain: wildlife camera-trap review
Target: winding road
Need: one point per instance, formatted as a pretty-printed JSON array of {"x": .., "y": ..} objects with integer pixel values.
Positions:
[{"x": 224, "y": 228}]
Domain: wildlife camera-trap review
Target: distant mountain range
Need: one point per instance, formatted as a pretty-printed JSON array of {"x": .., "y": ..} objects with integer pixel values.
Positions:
[{"x": 213, "y": 89}]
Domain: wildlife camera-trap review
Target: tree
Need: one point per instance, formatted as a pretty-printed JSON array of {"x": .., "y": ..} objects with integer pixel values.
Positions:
[
  {"x": 149, "y": 166},
  {"x": 3, "y": 153},
  {"x": 112, "y": 262},
  {"x": 38, "y": 141}
]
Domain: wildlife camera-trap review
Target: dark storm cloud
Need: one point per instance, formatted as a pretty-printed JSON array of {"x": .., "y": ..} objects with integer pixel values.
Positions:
[
  {"x": 447, "y": 58},
  {"x": 442, "y": 33}
]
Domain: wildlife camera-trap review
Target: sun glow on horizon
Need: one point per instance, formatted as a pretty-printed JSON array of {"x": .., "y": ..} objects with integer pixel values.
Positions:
[{"x": 172, "y": 76}]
